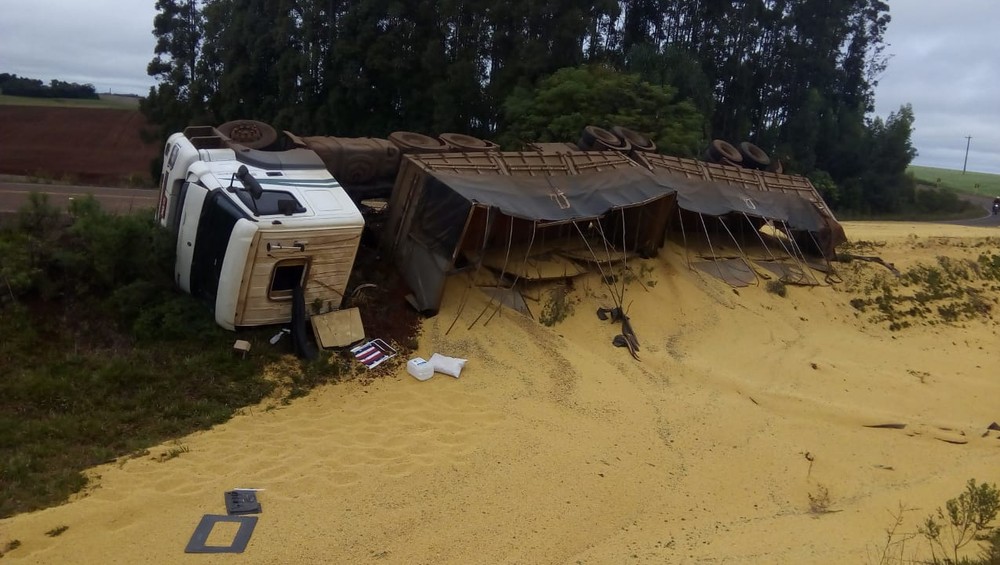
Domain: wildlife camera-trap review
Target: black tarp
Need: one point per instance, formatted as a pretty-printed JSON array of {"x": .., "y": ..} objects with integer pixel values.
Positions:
[
  {"x": 558, "y": 198},
  {"x": 442, "y": 212},
  {"x": 717, "y": 199}
]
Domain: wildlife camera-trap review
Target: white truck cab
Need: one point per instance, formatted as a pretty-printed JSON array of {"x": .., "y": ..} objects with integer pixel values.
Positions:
[{"x": 253, "y": 227}]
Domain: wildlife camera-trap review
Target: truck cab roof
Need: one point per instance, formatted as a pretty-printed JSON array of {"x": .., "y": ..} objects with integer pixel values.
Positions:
[{"x": 297, "y": 188}]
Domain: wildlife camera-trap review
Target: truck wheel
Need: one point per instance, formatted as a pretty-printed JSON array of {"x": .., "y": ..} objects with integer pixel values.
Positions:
[
  {"x": 467, "y": 142},
  {"x": 754, "y": 157},
  {"x": 638, "y": 141},
  {"x": 252, "y": 134},
  {"x": 412, "y": 142},
  {"x": 600, "y": 139},
  {"x": 719, "y": 150}
]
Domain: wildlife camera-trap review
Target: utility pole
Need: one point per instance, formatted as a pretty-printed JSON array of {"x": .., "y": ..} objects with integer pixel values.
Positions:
[{"x": 968, "y": 140}]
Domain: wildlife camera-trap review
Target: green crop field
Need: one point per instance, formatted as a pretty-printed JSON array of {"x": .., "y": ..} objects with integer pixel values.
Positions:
[
  {"x": 106, "y": 101},
  {"x": 984, "y": 184}
]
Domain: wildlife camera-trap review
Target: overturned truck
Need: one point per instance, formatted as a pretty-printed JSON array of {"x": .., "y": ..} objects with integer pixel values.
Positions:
[
  {"x": 449, "y": 210},
  {"x": 263, "y": 221},
  {"x": 610, "y": 194},
  {"x": 256, "y": 232}
]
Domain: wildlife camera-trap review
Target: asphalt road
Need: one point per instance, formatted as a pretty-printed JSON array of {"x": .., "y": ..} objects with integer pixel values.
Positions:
[
  {"x": 13, "y": 195},
  {"x": 988, "y": 220}
]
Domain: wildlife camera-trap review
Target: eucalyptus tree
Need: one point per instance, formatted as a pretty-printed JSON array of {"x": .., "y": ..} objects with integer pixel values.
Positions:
[
  {"x": 178, "y": 29},
  {"x": 795, "y": 76}
]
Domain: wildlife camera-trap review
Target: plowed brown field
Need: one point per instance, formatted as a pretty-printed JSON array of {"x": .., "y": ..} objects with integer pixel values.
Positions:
[{"x": 82, "y": 145}]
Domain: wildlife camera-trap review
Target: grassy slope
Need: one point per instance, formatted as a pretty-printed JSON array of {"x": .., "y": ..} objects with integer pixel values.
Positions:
[
  {"x": 984, "y": 184},
  {"x": 101, "y": 357}
]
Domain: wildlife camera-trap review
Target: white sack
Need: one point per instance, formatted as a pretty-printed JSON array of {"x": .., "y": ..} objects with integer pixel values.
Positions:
[{"x": 448, "y": 365}]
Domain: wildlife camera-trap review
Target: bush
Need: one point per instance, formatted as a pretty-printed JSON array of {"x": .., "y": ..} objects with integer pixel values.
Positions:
[
  {"x": 558, "y": 306},
  {"x": 963, "y": 520},
  {"x": 100, "y": 355},
  {"x": 938, "y": 201},
  {"x": 85, "y": 253},
  {"x": 777, "y": 287}
]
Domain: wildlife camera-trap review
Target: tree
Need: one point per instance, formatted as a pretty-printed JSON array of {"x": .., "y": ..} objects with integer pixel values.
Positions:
[
  {"x": 796, "y": 77},
  {"x": 177, "y": 98},
  {"x": 963, "y": 520},
  {"x": 887, "y": 187},
  {"x": 572, "y": 98},
  {"x": 677, "y": 68}
]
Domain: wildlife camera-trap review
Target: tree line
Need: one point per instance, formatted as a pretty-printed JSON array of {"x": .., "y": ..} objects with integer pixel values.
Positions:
[
  {"x": 13, "y": 85},
  {"x": 796, "y": 77}
]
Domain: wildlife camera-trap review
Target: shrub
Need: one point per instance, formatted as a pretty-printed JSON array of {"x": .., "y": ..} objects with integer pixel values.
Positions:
[
  {"x": 100, "y": 355},
  {"x": 557, "y": 307},
  {"x": 939, "y": 200},
  {"x": 777, "y": 287},
  {"x": 964, "y": 519}
]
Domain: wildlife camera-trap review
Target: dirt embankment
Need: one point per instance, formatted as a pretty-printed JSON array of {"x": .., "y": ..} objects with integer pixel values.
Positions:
[{"x": 93, "y": 146}]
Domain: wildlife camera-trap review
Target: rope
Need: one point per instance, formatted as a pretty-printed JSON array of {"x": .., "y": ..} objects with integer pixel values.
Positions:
[
  {"x": 527, "y": 253},
  {"x": 687, "y": 252},
  {"x": 708, "y": 239},
  {"x": 475, "y": 274},
  {"x": 503, "y": 271},
  {"x": 761, "y": 238},
  {"x": 740, "y": 249},
  {"x": 604, "y": 278},
  {"x": 803, "y": 264}
]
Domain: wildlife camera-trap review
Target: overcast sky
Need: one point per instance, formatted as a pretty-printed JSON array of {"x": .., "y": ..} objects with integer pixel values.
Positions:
[{"x": 943, "y": 62}]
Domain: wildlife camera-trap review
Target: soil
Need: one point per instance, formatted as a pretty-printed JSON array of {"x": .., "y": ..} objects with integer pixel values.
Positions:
[
  {"x": 380, "y": 294},
  {"x": 93, "y": 146}
]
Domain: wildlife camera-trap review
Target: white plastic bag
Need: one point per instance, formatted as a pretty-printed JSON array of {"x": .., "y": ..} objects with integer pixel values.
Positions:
[{"x": 451, "y": 366}]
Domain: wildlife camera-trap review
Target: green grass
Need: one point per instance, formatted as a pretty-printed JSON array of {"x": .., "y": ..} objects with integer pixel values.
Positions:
[
  {"x": 949, "y": 291},
  {"x": 984, "y": 184},
  {"x": 970, "y": 212},
  {"x": 100, "y": 356},
  {"x": 78, "y": 390},
  {"x": 110, "y": 102}
]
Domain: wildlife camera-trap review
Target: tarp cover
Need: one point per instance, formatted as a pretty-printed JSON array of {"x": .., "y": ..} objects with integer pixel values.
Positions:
[
  {"x": 558, "y": 198},
  {"x": 717, "y": 199},
  {"x": 439, "y": 218}
]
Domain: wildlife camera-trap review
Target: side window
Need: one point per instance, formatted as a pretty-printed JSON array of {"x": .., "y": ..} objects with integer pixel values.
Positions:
[
  {"x": 287, "y": 274},
  {"x": 173, "y": 156}
]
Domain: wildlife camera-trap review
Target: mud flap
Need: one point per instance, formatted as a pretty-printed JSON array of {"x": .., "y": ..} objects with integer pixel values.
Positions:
[{"x": 301, "y": 336}]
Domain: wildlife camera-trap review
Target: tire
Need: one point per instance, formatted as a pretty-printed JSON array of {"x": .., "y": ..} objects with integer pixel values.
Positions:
[
  {"x": 251, "y": 134},
  {"x": 412, "y": 142},
  {"x": 600, "y": 139},
  {"x": 719, "y": 150},
  {"x": 754, "y": 157},
  {"x": 467, "y": 142},
  {"x": 638, "y": 141}
]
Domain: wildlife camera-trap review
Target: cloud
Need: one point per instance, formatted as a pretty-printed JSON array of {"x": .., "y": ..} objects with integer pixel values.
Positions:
[
  {"x": 942, "y": 64},
  {"x": 107, "y": 43}
]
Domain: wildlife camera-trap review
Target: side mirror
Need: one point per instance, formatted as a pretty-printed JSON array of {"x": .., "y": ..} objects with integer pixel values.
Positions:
[{"x": 250, "y": 183}]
